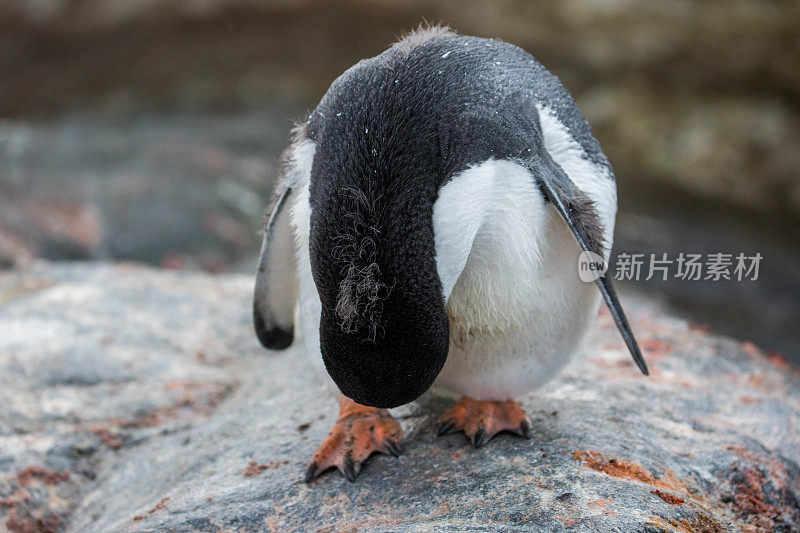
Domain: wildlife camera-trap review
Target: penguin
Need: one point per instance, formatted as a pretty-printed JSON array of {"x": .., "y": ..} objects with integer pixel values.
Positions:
[{"x": 426, "y": 233}]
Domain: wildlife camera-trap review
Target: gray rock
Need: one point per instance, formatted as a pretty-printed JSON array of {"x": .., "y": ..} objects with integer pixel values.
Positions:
[{"x": 137, "y": 400}]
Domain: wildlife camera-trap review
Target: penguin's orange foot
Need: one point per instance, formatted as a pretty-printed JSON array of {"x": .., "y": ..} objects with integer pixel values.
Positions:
[
  {"x": 482, "y": 420},
  {"x": 359, "y": 432}
]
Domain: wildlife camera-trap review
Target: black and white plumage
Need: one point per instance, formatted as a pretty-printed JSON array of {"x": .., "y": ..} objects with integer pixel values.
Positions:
[{"x": 436, "y": 203}]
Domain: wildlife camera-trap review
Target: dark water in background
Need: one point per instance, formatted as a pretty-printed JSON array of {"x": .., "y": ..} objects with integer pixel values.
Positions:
[{"x": 188, "y": 191}]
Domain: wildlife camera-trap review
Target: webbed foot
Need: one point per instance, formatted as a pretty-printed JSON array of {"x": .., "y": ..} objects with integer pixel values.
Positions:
[
  {"x": 359, "y": 432},
  {"x": 482, "y": 420}
]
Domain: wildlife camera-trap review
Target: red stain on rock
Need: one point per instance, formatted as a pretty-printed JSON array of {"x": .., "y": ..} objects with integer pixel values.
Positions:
[
  {"x": 567, "y": 521},
  {"x": 616, "y": 365},
  {"x": 743, "y": 452},
  {"x": 656, "y": 348},
  {"x": 254, "y": 469},
  {"x": 749, "y": 400},
  {"x": 599, "y": 503},
  {"x": 27, "y": 513},
  {"x": 614, "y": 467},
  {"x": 776, "y": 471},
  {"x": 18, "y": 497},
  {"x": 176, "y": 261},
  {"x": 773, "y": 356},
  {"x": 700, "y": 328},
  {"x": 699, "y": 523},
  {"x": 613, "y": 346},
  {"x": 627, "y": 470},
  {"x": 761, "y": 502},
  {"x": 777, "y": 359},
  {"x": 50, "y": 524},
  {"x": 669, "y": 498},
  {"x": 48, "y": 477},
  {"x": 751, "y": 349},
  {"x": 108, "y": 438},
  {"x": 193, "y": 397},
  {"x": 159, "y": 506},
  {"x": 748, "y": 495}
]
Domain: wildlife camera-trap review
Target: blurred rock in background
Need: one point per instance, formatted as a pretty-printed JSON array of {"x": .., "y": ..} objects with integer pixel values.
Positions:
[{"x": 149, "y": 129}]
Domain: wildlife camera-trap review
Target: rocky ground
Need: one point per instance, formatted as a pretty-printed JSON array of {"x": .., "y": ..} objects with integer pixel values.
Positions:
[{"x": 134, "y": 399}]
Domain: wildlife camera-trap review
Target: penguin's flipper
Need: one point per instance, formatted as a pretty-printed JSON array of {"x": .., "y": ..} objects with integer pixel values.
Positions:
[
  {"x": 276, "y": 280},
  {"x": 577, "y": 210}
]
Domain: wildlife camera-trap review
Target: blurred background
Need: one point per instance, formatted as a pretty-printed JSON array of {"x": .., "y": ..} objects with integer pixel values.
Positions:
[{"x": 149, "y": 130}]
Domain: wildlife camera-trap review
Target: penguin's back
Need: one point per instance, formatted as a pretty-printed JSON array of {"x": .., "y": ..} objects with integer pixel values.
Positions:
[{"x": 437, "y": 103}]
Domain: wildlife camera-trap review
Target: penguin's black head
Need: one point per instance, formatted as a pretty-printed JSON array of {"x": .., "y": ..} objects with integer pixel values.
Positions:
[
  {"x": 384, "y": 330},
  {"x": 392, "y": 361},
  {"x": 381, "y": 155}
]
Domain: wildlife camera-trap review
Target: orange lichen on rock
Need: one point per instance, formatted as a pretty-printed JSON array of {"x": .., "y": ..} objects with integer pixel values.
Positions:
[
  {"x": 749, "y": 400},
  {"x": 627, "y": 470},
  {"x": 106, "y": 437},
  {"x": 656, "y": 347},
  {"x": 159, "y": 506},
  {"x": 48, "y": 477},
  {"x": 254, "y": 469},
  {"x": 751, "y": 349},
  {"x": 700, "y": 328},
  {"x": 749, "y": 495},
  {"x": 700, "y": 523},
  {"x": 19, "y": 496},
  {"x": 776, "y": 471},
  {"x": 778, "y": 359},
  {"x": 49, "y": 524},
  {"x": 669, "y": 498},
  {"x": 614, "y": 467}
]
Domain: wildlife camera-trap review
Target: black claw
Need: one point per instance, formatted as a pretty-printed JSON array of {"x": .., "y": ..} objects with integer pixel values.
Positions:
[
  {"x": 393, "y": 447},
  {"x": 311, "y": 471},
  {"x": 480, "y": 438},
  {"x": 349, "y": 469},
  {"x": 526, "y": 428},
  {"x": 445, "y": 427}
]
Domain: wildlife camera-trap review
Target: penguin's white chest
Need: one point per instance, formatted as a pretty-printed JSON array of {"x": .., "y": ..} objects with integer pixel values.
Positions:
[{"x": 509, "y": 268}]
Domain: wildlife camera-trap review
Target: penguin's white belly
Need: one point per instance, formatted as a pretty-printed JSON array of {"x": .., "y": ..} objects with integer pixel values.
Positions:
[
  {"x": 509, "y": 265},
  {"x": 515, "y": 324}
]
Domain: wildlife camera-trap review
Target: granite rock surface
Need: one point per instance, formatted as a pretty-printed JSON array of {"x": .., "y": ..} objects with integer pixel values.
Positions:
[{"x": 133, "y": 399}]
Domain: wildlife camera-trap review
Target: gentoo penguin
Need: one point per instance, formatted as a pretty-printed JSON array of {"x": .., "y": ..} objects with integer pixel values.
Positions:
[{"x": 427, "y": 232}]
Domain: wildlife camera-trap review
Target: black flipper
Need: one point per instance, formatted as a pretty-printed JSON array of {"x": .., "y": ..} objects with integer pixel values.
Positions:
[
  {"x": 578, "y": 212},
  {"x": 275, "y": 292}
]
